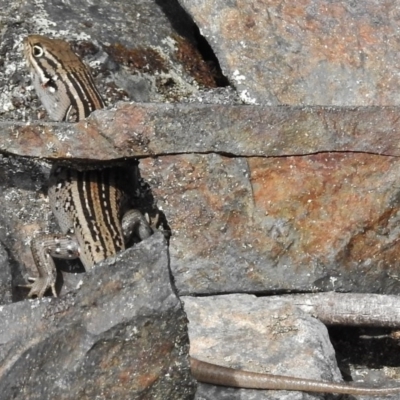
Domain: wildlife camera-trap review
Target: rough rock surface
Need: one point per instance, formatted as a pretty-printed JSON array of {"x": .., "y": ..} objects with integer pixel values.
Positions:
[
  {"x": 5, "y": 276},
  {"x": 24, "y": 214},
  {"x": 309, "y": 52},
  {"x": 280, "y": 224},
  {"x": 256, "y": 224},
  {"x": 142, "y": 130},
  {"x": 121, "y": 335},
  {"x": 255, "y": 334},
  {"x": 143, "y": 51}
]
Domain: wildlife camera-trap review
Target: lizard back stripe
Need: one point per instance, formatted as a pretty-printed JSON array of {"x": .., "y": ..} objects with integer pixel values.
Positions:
[
  {"x": 76, "y": 88},
  {"x": 106, "y": 197},
  {"x": 93, "y": 241},
  {"x": 80, "y": 86},
  {"x": 64, "y": 87},
  {"x": 110, "y": 198},
  {"x": 101, "y": 218},
  {"x": 84, "y": 84}
]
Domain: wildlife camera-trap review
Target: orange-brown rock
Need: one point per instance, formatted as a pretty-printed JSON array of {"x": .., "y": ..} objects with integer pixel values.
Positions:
[{"x": 308, "y": 52}]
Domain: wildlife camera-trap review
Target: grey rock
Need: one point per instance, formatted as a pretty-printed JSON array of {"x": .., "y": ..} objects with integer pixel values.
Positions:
[
  {"x": 260, "y": 335},
  {"x": 24, "y": 213},
  {"x": 122, "y": 334},
  {"x": 222, "y": 95},
  {"x": 241, "y": 219},
  {"x": 5, "y": 276}
]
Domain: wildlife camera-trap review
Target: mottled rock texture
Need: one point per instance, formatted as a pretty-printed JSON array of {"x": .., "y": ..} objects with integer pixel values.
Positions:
[
  {"x": 148, "y": 129},
  {"x": 325, "y": 221},
  {"x": 291, "y": 223},
  {"x": 5, "y": 276},
  {"x": 121, "y": 336},
  {"x": 308, "y": 52},
  {"x": 269, "y": 336}
]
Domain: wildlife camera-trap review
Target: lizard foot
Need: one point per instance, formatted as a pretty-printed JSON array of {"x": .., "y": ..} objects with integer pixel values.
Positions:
[{"x": 39, "y": 286}]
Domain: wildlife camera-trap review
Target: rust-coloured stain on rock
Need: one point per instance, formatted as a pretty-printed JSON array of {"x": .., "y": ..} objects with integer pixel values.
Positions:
[
  {"x": 305, "y": 52},
  {"x": 337, "y": 202},
  {"x": 186, "y": 53},
  {"x": 131, "y": 130},
  {"x": 143, "y": 59},
  {"x": 146, "y": 380},
  {"x": 31, "y": 135}
]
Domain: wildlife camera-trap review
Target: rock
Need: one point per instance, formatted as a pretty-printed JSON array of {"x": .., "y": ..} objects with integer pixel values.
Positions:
[
  {"x": 314, "y": 223},
  {"x": 121, "y": 334},
  {"x": 260, "y": 335},
  {"x": 259, "y": 199},
  {"x": 5, "y": 277},
  {"x": 143, "y": 130},
  {"x": 311, "y": 52},
  {"x": 221, "y": 95},
  {"x": 24, "y": 214}
]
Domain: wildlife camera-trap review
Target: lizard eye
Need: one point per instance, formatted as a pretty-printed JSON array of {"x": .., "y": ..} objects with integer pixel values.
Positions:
[{"x": 37, "y": 51}]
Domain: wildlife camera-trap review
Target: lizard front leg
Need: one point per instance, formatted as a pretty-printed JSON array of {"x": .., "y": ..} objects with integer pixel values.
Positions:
[{"x": 44, "y": 249}]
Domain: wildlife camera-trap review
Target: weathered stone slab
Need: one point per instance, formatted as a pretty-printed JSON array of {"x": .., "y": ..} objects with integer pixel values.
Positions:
[
  {"x": 141, "y": 130},
  {"x": 313, "y": 223},
  {"x": 309, "y": 52},
  {"x": 122, "y": 334},
  {"x": 256, "y": 334}
]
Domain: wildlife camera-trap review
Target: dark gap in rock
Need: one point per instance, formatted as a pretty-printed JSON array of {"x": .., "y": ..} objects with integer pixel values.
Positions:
[
  {"x": 370, "y": 348},
  {"x": 186, "y": 27},
  {"x": 209, "y": 57},
  {"x": 178, "y": 17}
]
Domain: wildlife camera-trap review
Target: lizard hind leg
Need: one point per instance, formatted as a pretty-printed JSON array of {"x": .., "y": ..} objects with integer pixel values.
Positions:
[{"x": 44, "y": 248}]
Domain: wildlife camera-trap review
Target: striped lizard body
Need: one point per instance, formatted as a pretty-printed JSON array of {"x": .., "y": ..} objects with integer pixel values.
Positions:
[
  {"x": 95, "y": 196},
  {"x": 87, "y": 205}
]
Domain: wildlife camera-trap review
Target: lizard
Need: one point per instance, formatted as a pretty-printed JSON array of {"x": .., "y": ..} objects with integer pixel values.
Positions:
[
  {"x": 88, "y": 204},
  {"x": 87, "y": 207}
]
